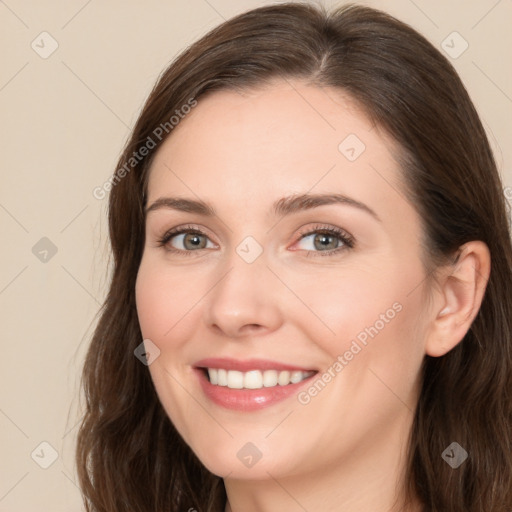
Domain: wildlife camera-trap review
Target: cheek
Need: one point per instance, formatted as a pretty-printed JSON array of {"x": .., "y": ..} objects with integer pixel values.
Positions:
[
  {"x": 342, "y": 306},
  {"x": 166, "y": 300},
  {"x": 165, "y": 307},
  {"x": 372, "y": 319},
  {"x": 375, "y": 353}
]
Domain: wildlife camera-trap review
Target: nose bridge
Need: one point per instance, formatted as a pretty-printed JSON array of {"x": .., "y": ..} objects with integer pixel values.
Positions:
[{"x": 244, "y": 296}]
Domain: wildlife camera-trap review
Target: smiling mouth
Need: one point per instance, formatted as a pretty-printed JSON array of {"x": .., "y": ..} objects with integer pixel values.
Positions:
[{"x": 254, "y": 379}]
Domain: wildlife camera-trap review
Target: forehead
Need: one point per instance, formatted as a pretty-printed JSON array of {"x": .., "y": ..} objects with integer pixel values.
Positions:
[{"x": 247, "y": 149}]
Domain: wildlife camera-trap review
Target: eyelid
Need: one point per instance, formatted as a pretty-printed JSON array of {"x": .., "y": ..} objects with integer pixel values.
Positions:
[{"x": 326, "y": 228}]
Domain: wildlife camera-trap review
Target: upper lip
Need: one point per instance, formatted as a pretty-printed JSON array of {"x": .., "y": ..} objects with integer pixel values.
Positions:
[{"x": 247, "y": 364}]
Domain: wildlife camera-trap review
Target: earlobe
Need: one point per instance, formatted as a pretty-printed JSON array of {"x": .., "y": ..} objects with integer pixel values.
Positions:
[{"x": 459, "y": 298}]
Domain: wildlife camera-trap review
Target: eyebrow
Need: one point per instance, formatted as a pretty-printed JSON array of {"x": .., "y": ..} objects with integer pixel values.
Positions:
[{"x": 282, "y": 207}]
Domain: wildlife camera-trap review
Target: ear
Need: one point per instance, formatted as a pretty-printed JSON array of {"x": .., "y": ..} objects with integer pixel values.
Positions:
[{"x": 459, "y": 297}]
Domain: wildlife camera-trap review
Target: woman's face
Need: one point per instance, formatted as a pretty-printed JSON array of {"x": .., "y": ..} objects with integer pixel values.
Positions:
[{"x": 300, "y": 254}]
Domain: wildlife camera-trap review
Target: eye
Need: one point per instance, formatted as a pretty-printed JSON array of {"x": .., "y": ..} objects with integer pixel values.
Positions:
[
  {"x": 325, "y": 239},
  {"x": 319, "y": 239},
  {"x": 186, "y": 240}
]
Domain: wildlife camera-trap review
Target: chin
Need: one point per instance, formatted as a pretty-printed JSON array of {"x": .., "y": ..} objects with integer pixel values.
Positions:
[{"x": 246, "y": 462}]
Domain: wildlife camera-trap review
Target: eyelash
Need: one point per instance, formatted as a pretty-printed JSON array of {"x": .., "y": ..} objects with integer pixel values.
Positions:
[{"x": 346, "y": 239}]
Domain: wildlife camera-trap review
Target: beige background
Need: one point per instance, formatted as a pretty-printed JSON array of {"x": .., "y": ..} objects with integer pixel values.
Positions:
[{"x": 64, "y": 121}]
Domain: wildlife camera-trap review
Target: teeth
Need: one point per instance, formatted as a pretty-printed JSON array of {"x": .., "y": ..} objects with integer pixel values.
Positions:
[
  {"x": 235, "y": 379},
  {"x": 255, "y": 379},
  {"x": 270, "y": 378},
  {"x": 222, "y": 376},
  {"x": 283, "y": 378},
  {"x": 295, "y": 377}
]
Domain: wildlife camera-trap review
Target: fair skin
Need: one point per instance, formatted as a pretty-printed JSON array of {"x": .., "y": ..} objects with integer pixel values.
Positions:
[{"x": 344, "y": 449}]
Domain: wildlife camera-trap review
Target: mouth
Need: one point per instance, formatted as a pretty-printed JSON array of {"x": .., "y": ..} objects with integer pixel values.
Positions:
[{"x": 249, "y": 385}]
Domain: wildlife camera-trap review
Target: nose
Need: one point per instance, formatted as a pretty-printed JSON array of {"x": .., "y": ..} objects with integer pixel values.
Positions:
[{"x": 244, "y": 300}]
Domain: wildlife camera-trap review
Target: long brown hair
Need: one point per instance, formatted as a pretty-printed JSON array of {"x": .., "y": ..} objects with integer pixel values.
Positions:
[{"x": 129, "y": 455}]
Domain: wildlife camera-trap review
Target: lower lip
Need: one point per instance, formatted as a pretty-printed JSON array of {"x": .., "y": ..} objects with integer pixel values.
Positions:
[{"x": 247, "y": 399}]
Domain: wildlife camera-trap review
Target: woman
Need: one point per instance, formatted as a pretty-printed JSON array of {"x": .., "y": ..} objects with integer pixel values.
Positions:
[{"x": 310, "y": 304}]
